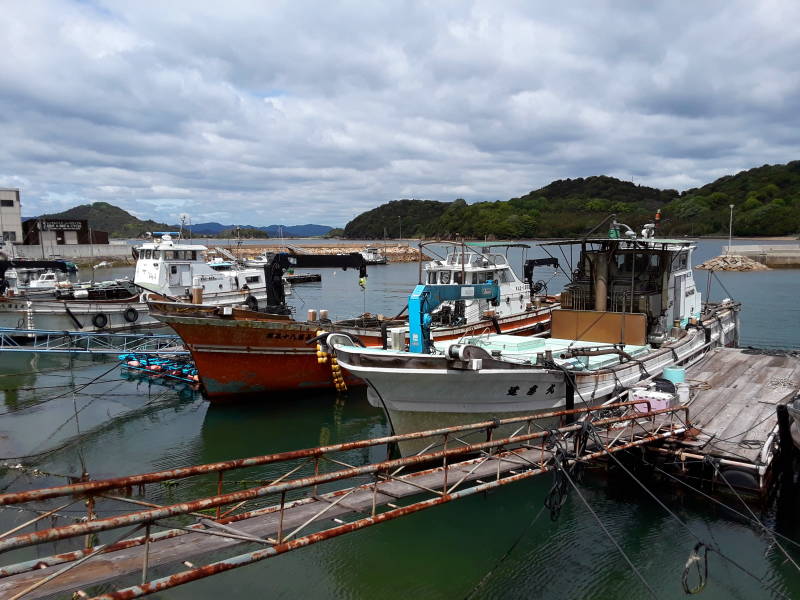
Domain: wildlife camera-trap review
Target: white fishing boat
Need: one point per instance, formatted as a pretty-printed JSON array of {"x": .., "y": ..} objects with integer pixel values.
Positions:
[
  {"x": 374, "y": 256},
  {"x": 631, "y": 309},
  {"x": 165, "y": 267},
  {"x": 259, "y": 261}
]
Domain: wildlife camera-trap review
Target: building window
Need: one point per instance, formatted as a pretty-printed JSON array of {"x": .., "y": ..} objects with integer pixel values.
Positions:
[
  {"x": 10, "y": 236},
  {"x": 6, "y": 203}
]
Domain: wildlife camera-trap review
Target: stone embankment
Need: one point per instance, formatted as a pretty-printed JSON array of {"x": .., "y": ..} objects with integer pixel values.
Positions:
[
  {"x": 397, "y": 253},
  {"x": 732, "y": 262}
]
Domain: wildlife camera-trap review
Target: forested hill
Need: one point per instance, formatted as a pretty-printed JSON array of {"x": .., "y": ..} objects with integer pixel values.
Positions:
[
  {"x": 564, "y": 207},
  {"x": 397, "y": 218},
  {"x": 107, "y": 217},
  {"x": 766, "y": 201},
  {"x": 120, "y": 223}
]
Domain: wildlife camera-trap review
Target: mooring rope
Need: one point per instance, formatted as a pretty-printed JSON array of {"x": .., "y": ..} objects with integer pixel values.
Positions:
[
  {"x": 712, "y": 548},
  {"x": 610, "y": 537},
  {"x": 713, "y": 463}
]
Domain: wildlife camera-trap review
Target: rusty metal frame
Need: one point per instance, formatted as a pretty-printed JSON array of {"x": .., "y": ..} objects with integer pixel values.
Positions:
[
  {"x": 196, "y": 573},
  {"x": 87, "y": 487},
  {"x": 387, "y": 470}
]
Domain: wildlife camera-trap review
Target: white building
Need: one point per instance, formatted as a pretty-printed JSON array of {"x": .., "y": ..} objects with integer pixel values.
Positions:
[{"x": 10, "y": 215}]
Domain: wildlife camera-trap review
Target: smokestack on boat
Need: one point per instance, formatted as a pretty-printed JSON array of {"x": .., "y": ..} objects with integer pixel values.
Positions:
[
  {"x": 197, "y": 290},
  {"x": 600, "y": 282}
]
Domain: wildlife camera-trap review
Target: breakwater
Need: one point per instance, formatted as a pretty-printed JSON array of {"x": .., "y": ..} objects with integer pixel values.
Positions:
[{"x": 785, "y": 256}]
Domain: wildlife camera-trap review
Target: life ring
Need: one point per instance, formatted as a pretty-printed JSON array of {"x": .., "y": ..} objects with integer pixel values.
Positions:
[
  {"x": 252, "y": 302},
  {"x": 131, "y": 315},
  {"x": 100, "y": 320}
]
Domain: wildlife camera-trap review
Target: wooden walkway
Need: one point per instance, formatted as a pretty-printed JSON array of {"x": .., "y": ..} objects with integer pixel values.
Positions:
[{"x": 734, "y": 405}]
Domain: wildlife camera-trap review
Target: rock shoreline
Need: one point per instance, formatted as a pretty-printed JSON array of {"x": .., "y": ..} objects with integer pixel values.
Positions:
[{"x": 732, "y": 262}]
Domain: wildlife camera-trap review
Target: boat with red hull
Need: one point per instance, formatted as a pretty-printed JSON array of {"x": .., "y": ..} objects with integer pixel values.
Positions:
[
  {"x": 246, "y": 352},
  {"x": 238, "y": 351}
]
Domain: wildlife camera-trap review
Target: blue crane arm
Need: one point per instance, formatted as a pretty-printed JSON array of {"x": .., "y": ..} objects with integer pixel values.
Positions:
[{"x": 424, "y": 300}]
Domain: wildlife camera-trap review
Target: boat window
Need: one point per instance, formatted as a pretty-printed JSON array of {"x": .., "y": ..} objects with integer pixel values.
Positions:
[
  {"x": 625, "y": 262},
  {"x": 252, "y": 279},
  {"x": 680, "y": 261},
  {"x": 499, "y": 259},
  {"x": 431, "y": 276},
  {"x": 173, "y": 269},
  {"x": 504, "y": 276},
  {"x": 147, "y": 253},
  {"x": 483, "y": 276},
  {"x": 156, "y": 254},
  {"x": 444, "y": 277},
  {"x": 169, "y": 254},
  {"x": 458, "y": 277},
  {"x": 194, "y": 255}
]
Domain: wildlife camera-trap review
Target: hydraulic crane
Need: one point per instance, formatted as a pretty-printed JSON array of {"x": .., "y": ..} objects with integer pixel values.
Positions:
[{"x": 282, "y": 261}]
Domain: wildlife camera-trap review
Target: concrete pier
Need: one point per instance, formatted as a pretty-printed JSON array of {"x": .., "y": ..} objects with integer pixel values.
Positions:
[{"x": 784, "y": 256}]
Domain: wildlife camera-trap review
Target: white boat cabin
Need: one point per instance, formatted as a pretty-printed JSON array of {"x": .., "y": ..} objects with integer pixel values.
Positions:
[
  {"x": 467, "y": 264},
  {"x": 171, "y": 268}
]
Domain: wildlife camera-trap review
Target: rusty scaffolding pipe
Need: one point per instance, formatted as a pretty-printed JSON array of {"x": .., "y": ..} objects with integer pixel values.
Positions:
[
  {"x": 182, "y": 472},
  {"x": 97, "y": 525},
  {"x": 241, "y": 560}
]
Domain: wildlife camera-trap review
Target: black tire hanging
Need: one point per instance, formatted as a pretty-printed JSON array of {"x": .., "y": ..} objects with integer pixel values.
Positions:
[
  {"x": 100, "y": 320},
  {"x": 252, "y": 302},
  {"x": 131, "y": 315}
]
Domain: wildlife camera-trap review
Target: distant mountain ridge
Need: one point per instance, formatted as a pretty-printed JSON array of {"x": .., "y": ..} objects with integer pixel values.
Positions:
[
  {"x": 308, "y": 230},
  {"x": 120, "y": 223}
]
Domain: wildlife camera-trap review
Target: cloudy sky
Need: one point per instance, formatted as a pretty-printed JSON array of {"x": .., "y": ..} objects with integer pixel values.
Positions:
[{"x": 296, "y": 112}]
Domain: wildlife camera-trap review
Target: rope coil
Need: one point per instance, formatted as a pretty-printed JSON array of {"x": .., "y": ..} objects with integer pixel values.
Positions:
[{"x": 698, "y": 559}]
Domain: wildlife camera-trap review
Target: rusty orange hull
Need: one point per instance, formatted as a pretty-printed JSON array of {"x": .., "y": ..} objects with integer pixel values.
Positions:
[{"x": 249, "y": 353}]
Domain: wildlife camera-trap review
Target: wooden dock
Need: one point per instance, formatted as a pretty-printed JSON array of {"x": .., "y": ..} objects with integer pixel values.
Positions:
[{"x": 733, "y": 411}]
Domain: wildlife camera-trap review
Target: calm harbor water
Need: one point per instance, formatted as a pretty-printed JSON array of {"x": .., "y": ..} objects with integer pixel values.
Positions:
[{"x": 128, "y": 425}]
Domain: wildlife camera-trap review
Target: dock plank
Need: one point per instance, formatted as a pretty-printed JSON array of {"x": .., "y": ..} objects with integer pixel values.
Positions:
[{"x": 745, "y": 388}]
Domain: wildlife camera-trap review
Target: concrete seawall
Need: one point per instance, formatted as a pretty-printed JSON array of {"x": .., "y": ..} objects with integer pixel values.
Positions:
[
  {"x": 73, "y": 251},
  {"x": 786, "y": 256},
  {"x": 90, "y": 253}
]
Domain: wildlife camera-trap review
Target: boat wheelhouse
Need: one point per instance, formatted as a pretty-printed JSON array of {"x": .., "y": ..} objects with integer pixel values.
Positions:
[
  {"x": 171, "y": 268},
  {"x": 478, "y": 263}
]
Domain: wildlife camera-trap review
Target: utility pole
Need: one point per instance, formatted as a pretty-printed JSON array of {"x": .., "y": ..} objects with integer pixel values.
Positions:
[
  {"x": 730, "y": 230},
  {"x": 400, "y": 220}
]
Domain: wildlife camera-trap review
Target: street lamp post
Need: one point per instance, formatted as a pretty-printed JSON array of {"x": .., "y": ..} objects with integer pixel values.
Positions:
[{"x": 730, "y": 230}]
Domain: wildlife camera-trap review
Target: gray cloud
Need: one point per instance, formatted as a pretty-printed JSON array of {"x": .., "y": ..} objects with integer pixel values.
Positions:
[{"x": 305, "y": 112}]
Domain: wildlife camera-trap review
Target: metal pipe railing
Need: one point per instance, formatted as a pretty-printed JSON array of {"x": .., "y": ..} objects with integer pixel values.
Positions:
[
  {"x": 145, "y": 516},
  {"x": 183, "y": 472}
]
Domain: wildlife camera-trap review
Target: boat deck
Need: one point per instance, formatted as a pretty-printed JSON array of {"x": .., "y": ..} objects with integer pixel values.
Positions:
[{"x": 735, "y": 405}]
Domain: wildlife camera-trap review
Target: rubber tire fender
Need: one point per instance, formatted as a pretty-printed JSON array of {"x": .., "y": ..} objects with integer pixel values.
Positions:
[
  {"x": 100, "y": 320},
  {"x": 131, "y": 315},
  {"x": 252, "y": 302}
]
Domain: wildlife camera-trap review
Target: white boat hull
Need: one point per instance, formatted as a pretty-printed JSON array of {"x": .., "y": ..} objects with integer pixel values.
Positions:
[
  {"x": 82, "y": 315},
  {"x": 437, "y": 395}
]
